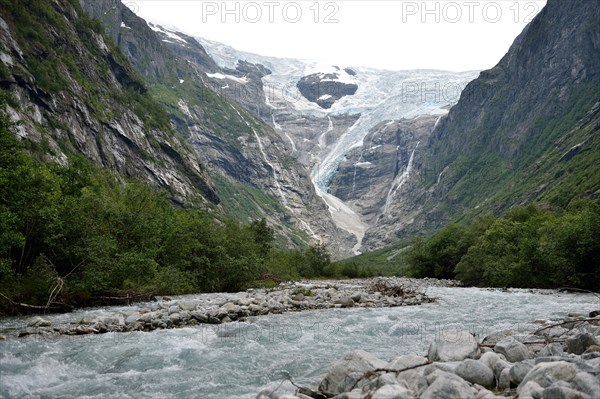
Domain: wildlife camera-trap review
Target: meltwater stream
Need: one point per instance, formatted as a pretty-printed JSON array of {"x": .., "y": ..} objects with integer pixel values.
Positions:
[{"x": 238, "y": 360}]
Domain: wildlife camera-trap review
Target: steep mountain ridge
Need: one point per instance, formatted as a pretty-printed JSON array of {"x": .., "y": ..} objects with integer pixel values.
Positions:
[
  {"x": 525, "y": 130},
  {"x": 353, "y": 157},
  {"x": 251, "y": 165},
  {"x": 74, "y": 93}
]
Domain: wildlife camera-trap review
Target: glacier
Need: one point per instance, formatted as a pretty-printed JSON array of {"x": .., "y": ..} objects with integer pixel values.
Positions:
[{"x": 382, "y": 96}]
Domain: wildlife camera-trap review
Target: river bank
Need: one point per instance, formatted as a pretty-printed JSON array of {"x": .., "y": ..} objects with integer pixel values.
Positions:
[
  {"x": 221, "y": 308},
  {"x": 237, "y": 360},
  {"x": 559, "y": 360}
]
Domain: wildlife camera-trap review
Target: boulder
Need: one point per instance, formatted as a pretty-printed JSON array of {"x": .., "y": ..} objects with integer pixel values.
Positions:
[
  {"x": 519, "y": 370},
  {"x": 392, "y": 391},
  {"x": 504, "y": 379},
  {"x": 530, "y": 390},
  {"x": 453, "y": 349},
  {"x": 406, "y": 361},
  {"x": 500, "y": 366},
  {"x": 189, "y": 305},
  {"x": 148, "y": 317},
  {"x": 475, "y": 372},
  {"x": 447, "y": 386},
  {"x": 37, "y": 321},
  {"x": 132, "y": 318},
  {"x": 490, "y": 359},
  {"x": 199, "y": 316},
  {"x": 350, "y": 395},
  {"x": 346, "y": 302},
  {"x": 414, "y": 379},
  {"x": 587, "y": 383},
  {"x": 562, "y": 392},
  {"x": 545, "y": 374},
  {"x": 229, "y": 307},
  {"x": 580, "y": 342},
  {"x": 375, "y": 384},
  {"x": 495, "y": 337},
  {"x": 344, "y": 374},
  {"x": 513, "y": 350},
  {"x": 553, "y": 349}
]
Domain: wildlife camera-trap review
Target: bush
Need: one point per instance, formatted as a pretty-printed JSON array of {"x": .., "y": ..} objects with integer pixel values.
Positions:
[{"x": 528, "y": 247}]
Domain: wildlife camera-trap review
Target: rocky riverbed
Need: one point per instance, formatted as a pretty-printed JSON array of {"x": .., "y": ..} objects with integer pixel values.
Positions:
[
  {"x": 559, "y": 360},
  {"x": 221, "y": 308}
]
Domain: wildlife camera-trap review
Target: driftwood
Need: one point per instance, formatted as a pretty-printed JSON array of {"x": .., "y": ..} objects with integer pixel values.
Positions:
[
  {"x": 562, "y": 323},
  {"x": 118, "y": 300},
  {"x": 372, "y": 373},
  {"x": 545, "y": 341},
  {"x": 27, "y": 308}
]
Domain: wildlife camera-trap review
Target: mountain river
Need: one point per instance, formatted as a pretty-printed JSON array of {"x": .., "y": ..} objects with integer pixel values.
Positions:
[{"x": 237, "y": 360}]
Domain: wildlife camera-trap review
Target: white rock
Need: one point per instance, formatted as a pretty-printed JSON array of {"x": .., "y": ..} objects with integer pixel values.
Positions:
[
  {"x": 392, "y": 391},
  {"x": 229, "y": 307},
  {"x": 490, "y": 359},
  {"x": 519, "y": 370},
  {"x": 189, "y": 305},
  {"x": 513, "y": 350},
  {"x": 553, "y": 349},
  {"x": 561, "y": 392},
  {"x": 448, "y": 386},
  {"x": 528, "y": 389},
  {"x": 587, "y": 383},
  {"x": 37, "y": 321},
  {"x": 461, "y": 348},
  {"x": 132, "y": 318},
  {"x": 342, "y": 376},
  {"x": 406, "y": 361},
  {"x": 545, "y": 374},
  {"x": 475, "y": 372}
]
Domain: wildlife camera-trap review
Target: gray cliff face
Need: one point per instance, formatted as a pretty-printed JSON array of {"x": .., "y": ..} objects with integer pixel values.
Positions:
[
  {"x": 517, "y": 133},
  {"x": 91, "y": 104},
  {"x": 366, "y": 178},
  {"x": 218, "y": 111},
  {"x": 522, "y": 131},
  {"x": 539, "y": 78}
]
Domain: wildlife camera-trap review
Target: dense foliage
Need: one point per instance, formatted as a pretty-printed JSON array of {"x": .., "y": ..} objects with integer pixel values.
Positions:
[
  {"x": 528, "y": 247},
  {"x": 78, "y": 228}
]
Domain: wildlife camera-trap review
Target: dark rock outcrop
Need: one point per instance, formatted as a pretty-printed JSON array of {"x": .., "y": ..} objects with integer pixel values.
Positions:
[{"x": 325, "y": 89}]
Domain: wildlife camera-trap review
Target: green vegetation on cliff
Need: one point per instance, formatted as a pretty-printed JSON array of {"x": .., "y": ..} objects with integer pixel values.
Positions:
[
  {"x": 527, "y": 247},
  {"x": 77, "y": 228}
]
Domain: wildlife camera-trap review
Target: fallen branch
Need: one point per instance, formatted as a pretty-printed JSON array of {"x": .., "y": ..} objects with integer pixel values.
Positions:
[
  {"x": 303, "y": 390},
  {"x": 562, "y": 323},
  {"x": 371, "y": 373},
  {"x": 546, "y": 341},
  {"x": 57, "y": 307},
  {"x": 59, "y": 284}
]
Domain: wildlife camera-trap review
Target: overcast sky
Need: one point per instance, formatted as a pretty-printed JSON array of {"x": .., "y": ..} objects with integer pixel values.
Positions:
[{"x": 449, "y": 35}]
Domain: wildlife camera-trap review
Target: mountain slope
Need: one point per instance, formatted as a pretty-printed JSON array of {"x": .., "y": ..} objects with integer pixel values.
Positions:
[
  {"x": 526, "y": 130},
  {"x": 254, "y": 173},
  {"x": 331, "y": 116},
  {"x": 76, "y": 94}
]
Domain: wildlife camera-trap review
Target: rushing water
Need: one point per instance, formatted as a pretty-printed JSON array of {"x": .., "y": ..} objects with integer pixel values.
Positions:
[{"x": 239, "y": 359}]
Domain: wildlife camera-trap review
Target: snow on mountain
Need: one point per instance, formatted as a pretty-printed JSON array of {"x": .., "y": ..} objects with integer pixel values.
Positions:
[{"x": 381, "y": 95}]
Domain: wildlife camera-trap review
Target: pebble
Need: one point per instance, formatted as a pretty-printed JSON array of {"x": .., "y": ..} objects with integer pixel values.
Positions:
[{"x": 226, "y": 308}]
